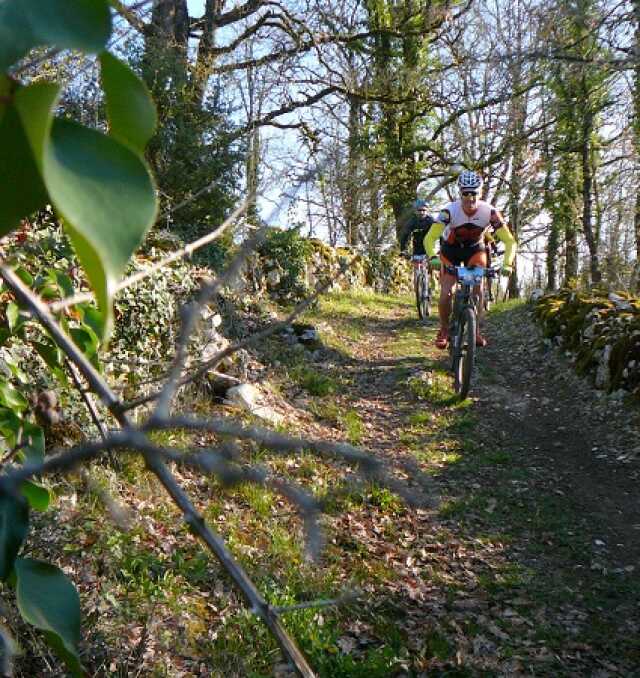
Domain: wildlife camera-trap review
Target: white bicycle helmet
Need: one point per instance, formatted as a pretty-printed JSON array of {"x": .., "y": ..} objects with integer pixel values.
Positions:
[{"x": 469, "y": 181}]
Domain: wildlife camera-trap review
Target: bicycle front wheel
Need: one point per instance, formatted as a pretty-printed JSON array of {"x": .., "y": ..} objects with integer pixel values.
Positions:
[{"x": 466, "y": 341}]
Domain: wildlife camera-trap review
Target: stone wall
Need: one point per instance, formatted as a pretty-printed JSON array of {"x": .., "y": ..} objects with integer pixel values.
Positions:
[
  {"x": 600, "y": 332},
  {"x": 269, "y": 272}
]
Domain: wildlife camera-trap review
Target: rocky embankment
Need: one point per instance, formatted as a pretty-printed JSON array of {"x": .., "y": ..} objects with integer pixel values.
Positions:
[{"x": 600, "y": 332}]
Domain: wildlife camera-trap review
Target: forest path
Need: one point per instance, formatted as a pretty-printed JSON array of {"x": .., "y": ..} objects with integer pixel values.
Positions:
[{"x": 528, "y": 564}]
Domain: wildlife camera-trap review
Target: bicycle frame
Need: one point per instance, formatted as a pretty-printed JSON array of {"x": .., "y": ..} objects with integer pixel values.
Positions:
[
  {"x": 463, "y": 323},
  {"x": 419, "y": 262},
  {"x": 467, "y": 278}
]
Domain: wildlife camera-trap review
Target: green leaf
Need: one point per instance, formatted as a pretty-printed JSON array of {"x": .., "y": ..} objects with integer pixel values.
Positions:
[
  {"x": 22, "y": 191},
  {"x": 49, "y": 601},
  {"x": 101, "y": 188},
  {"x": 130, "y": 109},
  {"x": 24, "y": 275},
  {"x": 84, "y": 25},
  {"x": 13, "y": 312},
  {"x": 33, "y": 435},
  {"x": 16, "y": 35},
  {"x": 38, "y": 497},
  {"x": 64, "y": 283},
  {"x": 85, "y": 339},
  {"x": 92, "y": 318},
  {"x": 51, "y": 354},
  {"x": 11, "y": 426},
  {"x": 11, "y": 399},
  {"x": 14, "y": 525}
]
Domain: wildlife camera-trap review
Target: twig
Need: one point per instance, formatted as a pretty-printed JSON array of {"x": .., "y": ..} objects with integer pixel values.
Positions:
[
  {"x": 130, "y": 435},
  {"x": 215, "y": 360},
  {"x": 88, "y": 401},
  {"x": 12, "y": 453},
  {"x": 186, "y": 251},
  {"x": 191, "y": 316},
  {"x": 217, "y": 546}
]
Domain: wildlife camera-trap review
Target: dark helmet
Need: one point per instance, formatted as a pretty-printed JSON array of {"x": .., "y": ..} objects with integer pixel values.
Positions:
[{"x": 419, "y": 204}]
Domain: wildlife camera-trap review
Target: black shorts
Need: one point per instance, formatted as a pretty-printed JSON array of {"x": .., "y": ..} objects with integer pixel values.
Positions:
[{"x": 460, "y": 255}]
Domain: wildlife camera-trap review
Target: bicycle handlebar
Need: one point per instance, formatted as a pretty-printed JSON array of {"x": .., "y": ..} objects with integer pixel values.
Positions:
[{"x": 487, "y": 271}]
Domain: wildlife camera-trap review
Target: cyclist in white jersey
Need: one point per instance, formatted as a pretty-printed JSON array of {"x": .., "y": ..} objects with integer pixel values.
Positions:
[{"x": 462, "y": 227}]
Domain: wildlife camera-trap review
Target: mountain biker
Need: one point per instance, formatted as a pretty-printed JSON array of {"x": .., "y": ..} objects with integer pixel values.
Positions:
[
  {"x": 461, "y": 227},
  {"x": 417, "y": 228}
]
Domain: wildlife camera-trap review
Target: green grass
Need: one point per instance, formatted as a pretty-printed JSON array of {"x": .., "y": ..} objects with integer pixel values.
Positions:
[
  {"x": 499, "y": 535},
  {"x": 351, "y": 422},
  {"x": 316, "y": 383}
]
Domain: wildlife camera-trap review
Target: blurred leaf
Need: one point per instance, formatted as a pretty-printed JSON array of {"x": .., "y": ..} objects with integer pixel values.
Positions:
[
  {"x": 22, "y": 191},
  {"x": 49, "y": 601},
  {"x": 84, "y": 25},
  {"x": 65, "y": 284},
  {"x": 38, "y": 497},
  {"x": 14, "y": 525},
  {"x": 10, "y": 398},
  {"x": 13, "y": 312},
  {"x": 130, "y": 109},
  {"x": 33, "y": 435},
  {"x": 11, "y": 426},
  {"x": 92, "y": 317},
  {"x": 51, "y": 354},
  {"x": 24, "y": 275},
  {"x": 101, "y": 188}
]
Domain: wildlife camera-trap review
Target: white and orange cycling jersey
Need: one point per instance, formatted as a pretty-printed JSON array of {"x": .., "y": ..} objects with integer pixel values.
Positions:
[
  {"x": 457, "y": 229},
  {"x": 467, "y": 231}
]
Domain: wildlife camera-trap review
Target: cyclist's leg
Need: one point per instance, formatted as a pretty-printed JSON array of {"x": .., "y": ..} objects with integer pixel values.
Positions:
[
  {"x": 479, "y": 258},
  {"x": 447, "y": 282}
]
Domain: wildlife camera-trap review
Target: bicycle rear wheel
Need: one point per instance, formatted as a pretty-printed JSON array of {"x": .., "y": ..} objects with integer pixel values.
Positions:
[
  {"x": 423, "y": 300},
  {"x": 466, "y": 352}
]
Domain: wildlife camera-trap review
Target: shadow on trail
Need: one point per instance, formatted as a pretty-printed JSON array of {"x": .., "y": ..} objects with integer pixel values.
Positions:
[
  {"x": 547, "y": 534},
  {"x": 528, "y": 564}
]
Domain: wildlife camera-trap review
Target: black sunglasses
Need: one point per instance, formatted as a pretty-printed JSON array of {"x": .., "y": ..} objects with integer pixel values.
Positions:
[{"x": 466, "y": 193}]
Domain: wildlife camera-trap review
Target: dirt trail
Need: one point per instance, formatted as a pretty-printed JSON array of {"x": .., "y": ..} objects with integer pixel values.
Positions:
[
  {"x": 589, "y": 443},
  {"x": 529, "y": 566}
]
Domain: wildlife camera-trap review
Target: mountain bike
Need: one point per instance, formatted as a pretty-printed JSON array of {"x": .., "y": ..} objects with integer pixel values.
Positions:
[
  {"x": 421, "y": 285},
  {"x": 463, "y": 324}
]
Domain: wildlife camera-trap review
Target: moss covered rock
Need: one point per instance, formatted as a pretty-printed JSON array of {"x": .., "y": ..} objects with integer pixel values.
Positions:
[{"x": 602, "y": 330}]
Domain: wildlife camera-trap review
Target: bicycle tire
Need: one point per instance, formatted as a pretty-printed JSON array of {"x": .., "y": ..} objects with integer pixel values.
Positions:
[
  {"x": 466, "y": 340},
  {"x": 423, "y": 302},
  {"x": 417, "y": 288},
  {"x": 487, "y": 294},
  {"x": 453, "y": 336}
]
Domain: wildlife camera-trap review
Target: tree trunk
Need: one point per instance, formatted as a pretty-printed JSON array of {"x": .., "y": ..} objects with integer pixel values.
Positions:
[
  {"x": 587, "y": 182},
  {"x": 352, "y": 216},
  {"x": 205, "y": 60},
  {"x": 571, "y": 252},
  {"x": 252, "y": 165},
  {"x": 553, "y": 244},
  {"x": 636, "y": 140}
]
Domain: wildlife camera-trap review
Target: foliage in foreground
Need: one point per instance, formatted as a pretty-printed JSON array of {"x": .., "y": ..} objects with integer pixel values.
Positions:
[{"x": 102, "y": 190}]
